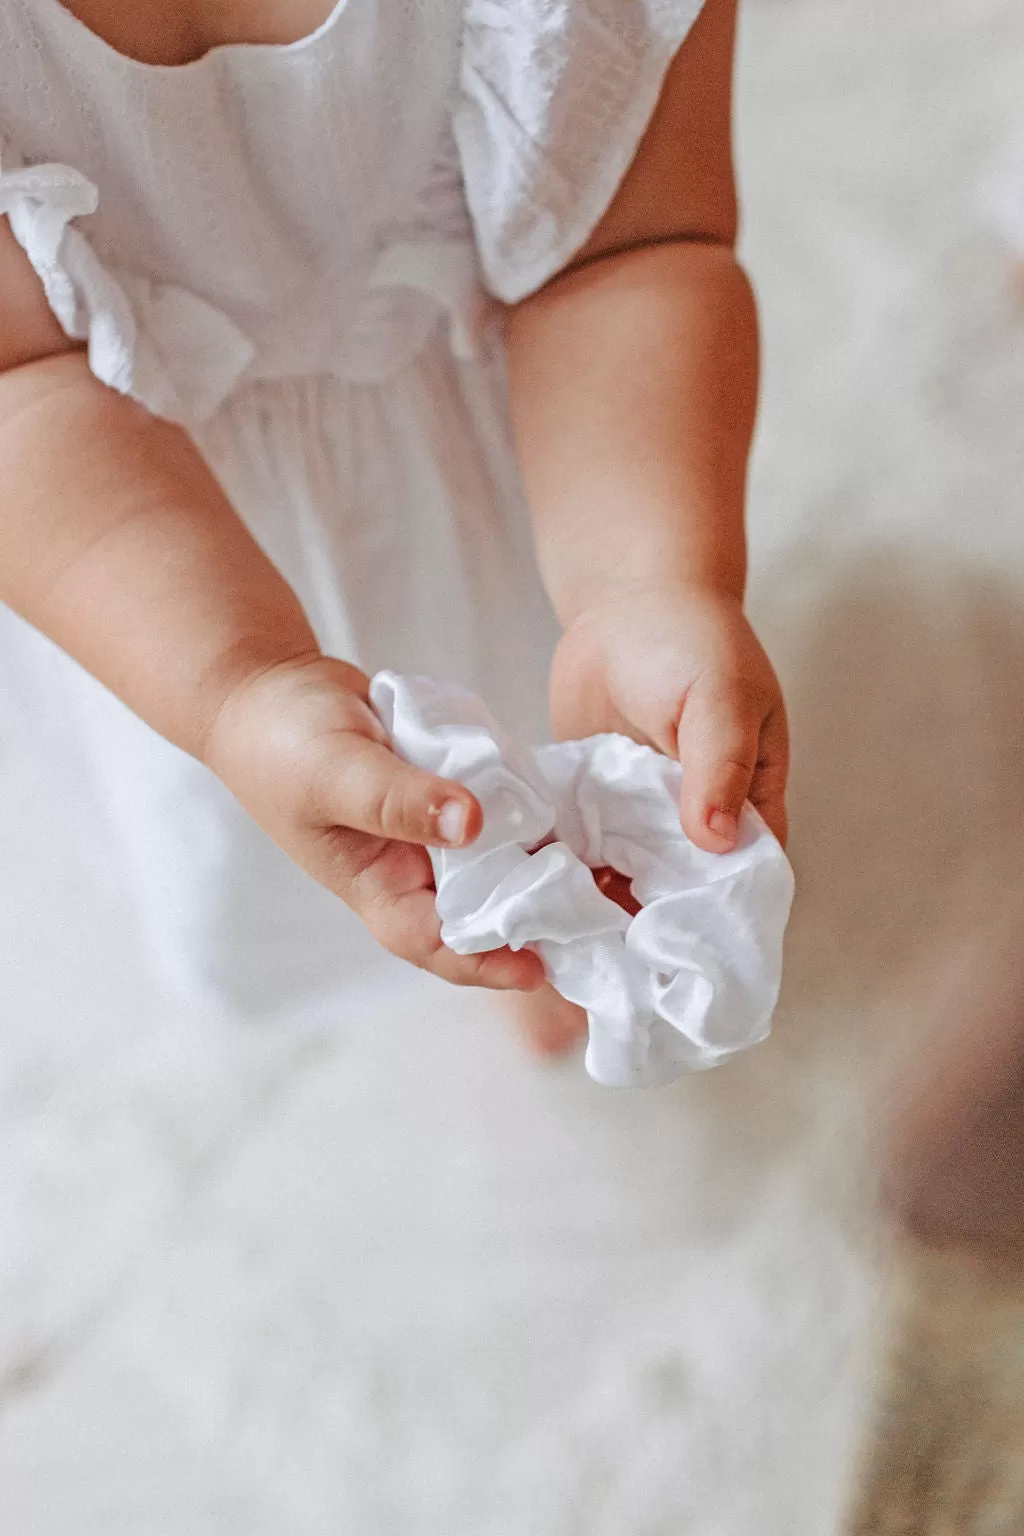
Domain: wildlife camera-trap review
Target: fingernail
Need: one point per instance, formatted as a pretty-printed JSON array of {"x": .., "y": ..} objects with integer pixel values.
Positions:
[
  {"x": 452, "y": 821},
  {"x": 725, "y": 825}
]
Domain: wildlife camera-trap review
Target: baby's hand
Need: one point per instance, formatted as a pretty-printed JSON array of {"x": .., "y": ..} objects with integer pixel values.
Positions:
[
  {"x": 302, "y": 750},
  {"x": 684, "y": 671}
]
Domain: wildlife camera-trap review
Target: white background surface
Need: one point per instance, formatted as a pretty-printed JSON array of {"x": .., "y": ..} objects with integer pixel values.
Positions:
[{"x": 394, "y": 1278}]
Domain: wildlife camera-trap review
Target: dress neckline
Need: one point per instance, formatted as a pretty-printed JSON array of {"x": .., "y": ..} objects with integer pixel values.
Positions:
[{"x": 233, "y": 51}]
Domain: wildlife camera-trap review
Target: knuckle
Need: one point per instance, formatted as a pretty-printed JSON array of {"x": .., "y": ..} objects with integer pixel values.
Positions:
[
  {"x": 724, "y": 784},
  {"x": 403, "y": 933},
  {"x": 356, "y": 862},
  {"x": 398, "y": 938},
  {"x": 396, "y": 807},
  {"x": 727, "y": 728},
  {"x": 336, "y": 860},
  {"x": 736, "y": 767},
  {"x": 457, "y": 970}
]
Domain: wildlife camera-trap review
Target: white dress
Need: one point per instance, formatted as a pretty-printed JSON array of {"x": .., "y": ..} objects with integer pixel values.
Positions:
[{"x": 290, "y": 250}]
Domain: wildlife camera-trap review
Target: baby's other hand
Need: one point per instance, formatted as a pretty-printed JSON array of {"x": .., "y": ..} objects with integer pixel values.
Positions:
[
  {"x": 301, "y": 749},
  {"x": 682, "y": 670}
]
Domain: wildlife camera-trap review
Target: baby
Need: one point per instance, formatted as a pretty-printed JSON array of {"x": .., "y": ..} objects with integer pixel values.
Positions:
[{"x": 280, "y": 288}]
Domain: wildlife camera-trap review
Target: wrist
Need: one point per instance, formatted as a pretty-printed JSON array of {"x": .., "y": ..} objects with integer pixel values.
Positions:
[
  {"x": 591, "y": 557},
  {"x": 685, "y": 587},
  {"x": 236, "y": 683}
]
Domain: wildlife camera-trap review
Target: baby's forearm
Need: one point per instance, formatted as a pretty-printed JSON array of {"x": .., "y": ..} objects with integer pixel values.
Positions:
[
  {"x": 633, "y": 386},
  {"x": 118, "y": 543}
]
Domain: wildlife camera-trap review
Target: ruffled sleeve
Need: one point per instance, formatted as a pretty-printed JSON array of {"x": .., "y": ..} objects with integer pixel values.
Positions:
[
  {"x": 555, "y": 98},
  {"x": 167, "y": 348}
]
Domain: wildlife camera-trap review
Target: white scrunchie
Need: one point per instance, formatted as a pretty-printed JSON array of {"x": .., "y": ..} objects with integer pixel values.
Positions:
[{"x": 687, "y": 982}]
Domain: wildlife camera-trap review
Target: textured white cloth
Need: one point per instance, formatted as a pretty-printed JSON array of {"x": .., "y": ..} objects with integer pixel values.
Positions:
[
  {"x": 288, "y": 250},
  {"x": 693, "y": 977}
]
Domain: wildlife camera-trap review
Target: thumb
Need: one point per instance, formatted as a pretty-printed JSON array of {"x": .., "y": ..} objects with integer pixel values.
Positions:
[
  {"x": 718, "y": 739},
  {"x": 366, "y": 787}
]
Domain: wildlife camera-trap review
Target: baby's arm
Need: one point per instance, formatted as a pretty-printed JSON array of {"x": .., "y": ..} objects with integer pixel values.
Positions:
[
  {"x": 634, "y": 383},
  {"x": 117, "y": 542}
]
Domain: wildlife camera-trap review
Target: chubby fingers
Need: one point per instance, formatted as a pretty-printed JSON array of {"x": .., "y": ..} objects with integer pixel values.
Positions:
[
  {"x": 406, "y": 923},
  {"x": 768, "y": 787},
  {"x": 369, "y": 811},
  {"x": 731, "y": 750},
  {"x": 389, "y": 885},
  {"x": 361, "y": 784}
]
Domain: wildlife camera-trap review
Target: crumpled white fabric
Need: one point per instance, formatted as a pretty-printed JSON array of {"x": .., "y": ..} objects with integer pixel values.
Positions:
[
  {"x": 693, "y": 977},
  {"x": 154, "y": 341}
]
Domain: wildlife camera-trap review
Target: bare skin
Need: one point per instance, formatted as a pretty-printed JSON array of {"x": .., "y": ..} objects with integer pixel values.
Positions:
[
  {"x": 633, "y": 387},
  {"x": 172, "y": 35}
]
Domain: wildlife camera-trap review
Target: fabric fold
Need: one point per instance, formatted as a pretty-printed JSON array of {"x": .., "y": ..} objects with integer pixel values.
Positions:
[
  {"x": 167, "y": 348},
  {"x": 445, "y": 273},
  {"x": 693, "y": 977},
  {"x": 555, "y": 98}
]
